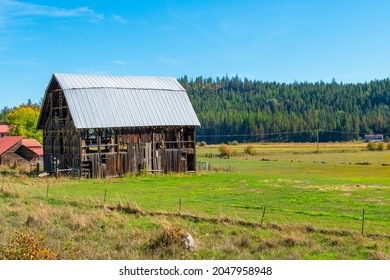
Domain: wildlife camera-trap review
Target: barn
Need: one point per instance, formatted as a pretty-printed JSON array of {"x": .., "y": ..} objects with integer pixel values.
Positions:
[{"x": 98, "y": 126}]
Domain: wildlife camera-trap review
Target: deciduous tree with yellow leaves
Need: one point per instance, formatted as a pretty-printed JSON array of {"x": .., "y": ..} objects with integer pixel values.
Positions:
[{"x": 25, "y": 118}]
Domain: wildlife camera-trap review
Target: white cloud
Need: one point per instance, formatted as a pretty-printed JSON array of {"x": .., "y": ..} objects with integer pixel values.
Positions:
[
  {"x": 14, "y": 14},
  {"x": 120, "y": 19},
  {"x": 20, "y": 63},
  {"x": 120, "y": 62},
  {"x": 9, "y": 40},
  {"x": 15, "y": 9}
]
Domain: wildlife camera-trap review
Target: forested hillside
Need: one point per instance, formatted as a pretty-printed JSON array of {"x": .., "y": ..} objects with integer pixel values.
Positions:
[
  {"x": 288, "y": 112},
  {"x": 244, "y": 110}
]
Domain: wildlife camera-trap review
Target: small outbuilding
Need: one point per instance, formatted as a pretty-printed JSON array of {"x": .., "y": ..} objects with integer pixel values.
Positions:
[
  {"x": 98, "y": 126},
  {"x": 4, "y": 130},
  {"x": 35, "y": 146},
  {"x": 18, "y": 152}
]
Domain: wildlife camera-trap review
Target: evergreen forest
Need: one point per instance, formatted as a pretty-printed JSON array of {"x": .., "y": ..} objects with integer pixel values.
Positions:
[
  {"x": 230, "y": 108},
  {"x": 235, "y": 109}
]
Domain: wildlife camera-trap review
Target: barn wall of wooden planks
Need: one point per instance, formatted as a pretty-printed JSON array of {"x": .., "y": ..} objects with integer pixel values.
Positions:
[{"x": 102, "y": 152}]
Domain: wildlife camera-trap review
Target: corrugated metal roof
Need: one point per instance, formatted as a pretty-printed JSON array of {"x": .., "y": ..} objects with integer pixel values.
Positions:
[
  {"x": 108, "y": 101},
  {"x": 73, "y": 81},
  {"x": 112, "y": 107}
]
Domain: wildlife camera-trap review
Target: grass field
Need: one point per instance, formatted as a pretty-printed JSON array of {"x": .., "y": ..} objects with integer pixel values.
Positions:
[{"x": 312, "y": 205}]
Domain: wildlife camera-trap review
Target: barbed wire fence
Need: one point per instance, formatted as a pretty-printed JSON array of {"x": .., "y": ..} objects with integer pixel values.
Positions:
[{"x": 369, "y": 218}]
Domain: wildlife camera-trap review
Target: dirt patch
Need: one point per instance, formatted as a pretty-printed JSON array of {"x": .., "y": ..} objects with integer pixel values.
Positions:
[
  {"x": 255, "y": 190},
  {"x": 346, "y": 194},
  {"x": 347, "y": 188},
  {"x": 376, "y": 201},
  {"x": 263, "y": 181}
]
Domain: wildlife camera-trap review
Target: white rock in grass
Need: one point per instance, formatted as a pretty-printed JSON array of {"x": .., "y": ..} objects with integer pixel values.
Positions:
[
  {"x": 42, "y": 175},
  {"x": 189, "y": 241}
]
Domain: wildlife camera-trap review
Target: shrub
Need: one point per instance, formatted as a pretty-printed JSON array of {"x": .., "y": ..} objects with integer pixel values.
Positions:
[
  {"x": 202, "y": 144},
  {"x": 234, "y": 143},
  {"x": 168, "y": 236},
  {"x": 31, "y": 245},
  {"x": 225, "y": 151},
  {"x": 217, "y": 168},
  {"x": 250, "y": 150},
  {"x": 388, "y": 146},
  {"x": 27, "y": 246},
  {"x": 381, "y": 146},
  {"x": 371, "y": 146}
]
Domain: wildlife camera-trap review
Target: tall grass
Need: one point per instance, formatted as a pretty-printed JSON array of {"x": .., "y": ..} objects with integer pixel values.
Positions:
[{"x": 313, "y": 209}]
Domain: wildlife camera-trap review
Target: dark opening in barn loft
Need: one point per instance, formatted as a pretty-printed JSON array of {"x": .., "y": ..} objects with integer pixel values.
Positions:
[{"x": 98, "y": 126}]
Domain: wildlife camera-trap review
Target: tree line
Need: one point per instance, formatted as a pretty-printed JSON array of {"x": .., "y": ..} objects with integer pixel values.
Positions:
[
  {"x": 271, "y": 111},
  {"x": 231, "y": 108},
  {"x": 24, "y": 119}
]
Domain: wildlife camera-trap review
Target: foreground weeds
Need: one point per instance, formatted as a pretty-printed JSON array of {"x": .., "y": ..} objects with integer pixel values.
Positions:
[{"x": 30, "y": 245}]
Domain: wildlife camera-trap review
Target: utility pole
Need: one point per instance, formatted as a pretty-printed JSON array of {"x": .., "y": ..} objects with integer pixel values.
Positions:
[{"x": 317, "y": 122}]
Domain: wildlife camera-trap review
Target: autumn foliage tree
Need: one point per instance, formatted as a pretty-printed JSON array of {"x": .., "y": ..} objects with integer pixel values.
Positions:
[{"x": 24, "y": 119}]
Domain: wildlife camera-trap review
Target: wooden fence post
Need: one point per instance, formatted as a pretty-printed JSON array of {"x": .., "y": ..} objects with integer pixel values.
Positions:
[
  {"x": 262, "y": 217},
  {"x": 2, "y": 186},
  {"x": 180, "y": 206}
]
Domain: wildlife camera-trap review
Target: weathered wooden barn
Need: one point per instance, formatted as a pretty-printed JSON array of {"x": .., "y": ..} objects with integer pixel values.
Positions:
[{"x": 98, "y": 126}]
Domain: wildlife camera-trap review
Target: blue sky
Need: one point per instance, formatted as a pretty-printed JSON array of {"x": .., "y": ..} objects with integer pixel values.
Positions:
[{"x": 283, "y": 41}]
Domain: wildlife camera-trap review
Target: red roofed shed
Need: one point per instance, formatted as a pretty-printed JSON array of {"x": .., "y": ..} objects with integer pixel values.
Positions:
[
  {"x": 15, "y": 153},
  {"x": 33, "y": 145},
  {"x": 4, "y": 130}
]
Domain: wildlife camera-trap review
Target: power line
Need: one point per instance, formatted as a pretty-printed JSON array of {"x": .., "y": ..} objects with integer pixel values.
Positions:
[
  {"x": 283, "y": 133},
  {"x": 250, "y": 135}
]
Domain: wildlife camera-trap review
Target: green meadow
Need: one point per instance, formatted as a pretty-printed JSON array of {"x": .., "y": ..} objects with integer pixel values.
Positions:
[{"x": 285, "y": 202}]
